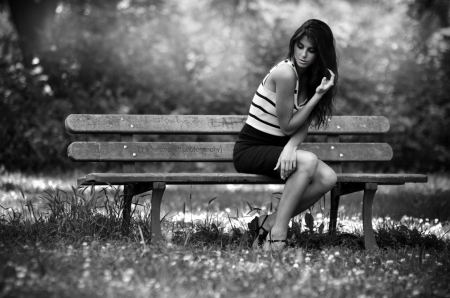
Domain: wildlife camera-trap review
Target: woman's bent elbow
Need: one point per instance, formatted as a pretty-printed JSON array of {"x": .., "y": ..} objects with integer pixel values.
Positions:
[{"x": 287, "y": 131}]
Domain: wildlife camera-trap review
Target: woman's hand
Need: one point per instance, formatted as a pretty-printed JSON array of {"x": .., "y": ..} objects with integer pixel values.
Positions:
[
  {"x": 326, "y": 84},
  {"x": 287, "y": 162}
]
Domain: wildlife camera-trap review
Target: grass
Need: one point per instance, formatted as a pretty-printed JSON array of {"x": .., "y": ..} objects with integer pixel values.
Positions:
[
  {"x": 126, "y": 269},
  {"x": 67, "y": 243}
]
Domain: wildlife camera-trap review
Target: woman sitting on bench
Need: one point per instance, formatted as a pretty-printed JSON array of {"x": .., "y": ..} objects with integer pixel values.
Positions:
[{"x": 296, "y": 93}]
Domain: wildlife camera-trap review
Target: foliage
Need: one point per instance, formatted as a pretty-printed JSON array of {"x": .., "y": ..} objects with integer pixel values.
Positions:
[
  {"x": 98, "y": 269},
  {"x": 96, "y": 213},
  {"x": 73, "y": 251},
  {"x": 207, "y": 57}
]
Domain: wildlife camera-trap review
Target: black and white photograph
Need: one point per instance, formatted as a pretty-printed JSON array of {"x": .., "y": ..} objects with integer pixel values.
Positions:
[{"x": 224, "y": 148}]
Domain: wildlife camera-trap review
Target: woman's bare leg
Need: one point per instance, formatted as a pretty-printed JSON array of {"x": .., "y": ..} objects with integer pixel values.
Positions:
[
  {"x": 293, "y": 191},
  {"x": 322, "y": 181}
]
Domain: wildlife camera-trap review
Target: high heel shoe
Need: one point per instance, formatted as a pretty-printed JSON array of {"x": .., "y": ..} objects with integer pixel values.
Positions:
[
  {"x": 269, "y": 247},
  {"x": 258, "y": 238}
]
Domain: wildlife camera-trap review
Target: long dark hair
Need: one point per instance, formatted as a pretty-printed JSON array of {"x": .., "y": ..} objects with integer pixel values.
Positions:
[{"x": 321, "y": 36}]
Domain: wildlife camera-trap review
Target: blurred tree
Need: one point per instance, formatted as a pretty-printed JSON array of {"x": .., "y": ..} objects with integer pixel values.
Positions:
[
  {"x": 33, "y": 21},
  {"x": 430, "y": 11},
  {"x": 208, "y": 57},
  {"x": 422, "y": 85}
]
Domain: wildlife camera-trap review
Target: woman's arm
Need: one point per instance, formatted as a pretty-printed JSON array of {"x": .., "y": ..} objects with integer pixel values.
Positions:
[
  {"x": 299, "y": 135},
  {"x": 285, "y": 80},
  {"x": 287, "y": 162}
]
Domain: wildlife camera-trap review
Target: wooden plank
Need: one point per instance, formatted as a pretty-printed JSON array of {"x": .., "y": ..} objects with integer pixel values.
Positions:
[
  {"x": 354, "y": 125},
  {"x": 334, "y": 207},
  {"x": 234, "y": 178},
  {"x": 207, "y": 124},
  {"x": 128, "y": 193},
  {"x": 157, "y": 195},
  {"x": 369, "y": 237},
  {"x": 155, "y": 124},
  {"x": 382, "y": 178},
  {"x": 336, "y": 166},
  {"x": 128, "y": 167},
  {"x": 215, "y": 151}
]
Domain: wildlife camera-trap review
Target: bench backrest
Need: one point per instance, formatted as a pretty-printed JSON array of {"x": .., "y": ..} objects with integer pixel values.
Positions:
[{"x": 128, "y": 151}]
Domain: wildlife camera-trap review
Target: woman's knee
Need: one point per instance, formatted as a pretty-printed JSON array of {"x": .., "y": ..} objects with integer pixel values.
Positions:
[
  {"x": 326, "y": 177},
  {"x": 307, "y": 161}
]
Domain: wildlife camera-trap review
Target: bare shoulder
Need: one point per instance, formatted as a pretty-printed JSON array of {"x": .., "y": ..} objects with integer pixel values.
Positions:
[
  {"x": 284, "y": 74},
  {"x": 282, "y": 78}
]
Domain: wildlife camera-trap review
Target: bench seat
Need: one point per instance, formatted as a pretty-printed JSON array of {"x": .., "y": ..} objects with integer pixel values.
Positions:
[{"x": 235, "y": 178}]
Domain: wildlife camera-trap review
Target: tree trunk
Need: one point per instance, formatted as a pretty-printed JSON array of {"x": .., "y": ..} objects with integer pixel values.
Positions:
[{"x": 33, "y": 21}]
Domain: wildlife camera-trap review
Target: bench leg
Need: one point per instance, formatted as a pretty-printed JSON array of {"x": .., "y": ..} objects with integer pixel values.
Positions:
[
  {"x": 157, "y": 194},
  {"x": 128, "y": 193},
  {"x": 334, "y": 206},
  {"x": 369, "y": 237}
]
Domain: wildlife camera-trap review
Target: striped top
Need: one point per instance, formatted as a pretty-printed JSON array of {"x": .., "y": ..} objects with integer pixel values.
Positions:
[{"x": 262, "y": 114}]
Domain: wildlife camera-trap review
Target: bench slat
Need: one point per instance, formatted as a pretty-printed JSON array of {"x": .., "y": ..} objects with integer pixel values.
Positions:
[
  {"x": 234, "y": 178},
  {"x": 207, "y": 124},
  {"x": 215, "y": 151}
]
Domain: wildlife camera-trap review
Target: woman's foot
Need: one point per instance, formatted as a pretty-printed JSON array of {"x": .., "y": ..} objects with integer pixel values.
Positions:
[{"x": 275, "y": 244}]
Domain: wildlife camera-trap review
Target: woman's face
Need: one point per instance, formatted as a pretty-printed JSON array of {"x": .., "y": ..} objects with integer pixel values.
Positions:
[{"x": 304, "y": 52}]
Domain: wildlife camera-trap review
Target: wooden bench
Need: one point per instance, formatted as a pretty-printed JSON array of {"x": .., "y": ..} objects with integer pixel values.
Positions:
[{"x": 128, "y": 152}]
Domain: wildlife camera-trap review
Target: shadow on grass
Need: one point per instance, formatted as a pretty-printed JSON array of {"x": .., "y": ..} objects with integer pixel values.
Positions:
[
  {"x": 82, "y": 215},
  {"x": 392, "y": 235}
]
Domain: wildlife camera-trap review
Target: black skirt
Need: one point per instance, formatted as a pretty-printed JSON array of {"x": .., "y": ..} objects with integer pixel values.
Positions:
[{"x": 257, "y": 152}]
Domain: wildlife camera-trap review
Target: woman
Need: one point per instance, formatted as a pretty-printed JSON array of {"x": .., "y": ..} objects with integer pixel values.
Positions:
[{"x": 296, "y": 93}]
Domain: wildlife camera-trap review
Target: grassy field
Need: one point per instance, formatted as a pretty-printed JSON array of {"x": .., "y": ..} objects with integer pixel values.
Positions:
[
  {"x": 57, "y": 242},
  {"x": 124, "y": 269}
]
